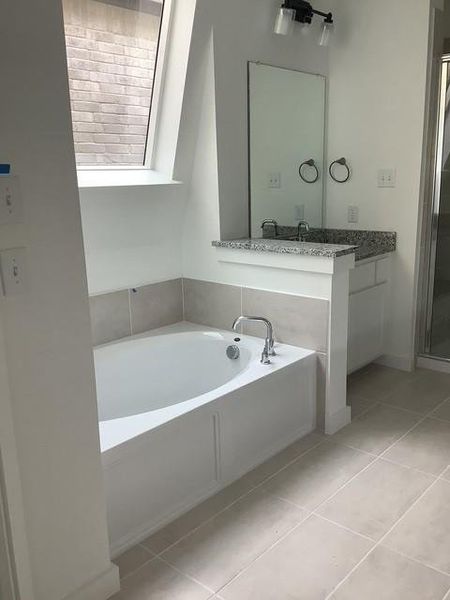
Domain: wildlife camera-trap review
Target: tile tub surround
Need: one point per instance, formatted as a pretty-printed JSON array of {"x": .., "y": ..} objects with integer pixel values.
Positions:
[
  {"x": 370, "y": 527},
  {"x": 211, "y": 304},
  {"x": 368, "y": 243},
  {"x": 127, "y": 312},
  {"x": 297, "y": 320}
]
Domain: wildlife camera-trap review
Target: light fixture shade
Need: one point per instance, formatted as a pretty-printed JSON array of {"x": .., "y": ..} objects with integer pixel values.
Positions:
[
  {"x": 326, "y": 33},
  {"x": 284, "y": 22}
]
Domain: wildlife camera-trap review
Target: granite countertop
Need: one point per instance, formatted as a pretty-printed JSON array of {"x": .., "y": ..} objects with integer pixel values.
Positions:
[
  {"x": 287, "y": 247},
  {"x": 329, "y": 243}
]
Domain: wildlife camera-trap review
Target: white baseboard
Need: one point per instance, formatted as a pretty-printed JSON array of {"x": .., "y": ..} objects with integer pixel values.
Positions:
[
  {"x": 101, "y": 587},
  {"x": 338, "y": 420},
  {"x": 401, "y": 362},
  {"x": 434, "y": 364}
]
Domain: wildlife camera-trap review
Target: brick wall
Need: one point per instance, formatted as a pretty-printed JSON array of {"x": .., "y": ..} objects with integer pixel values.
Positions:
[{"x": 111, "y": 55}]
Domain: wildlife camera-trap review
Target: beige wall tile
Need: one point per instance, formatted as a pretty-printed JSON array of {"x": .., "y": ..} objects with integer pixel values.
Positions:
[
  {"x": 297, "y": 320},
  {"x": 110, "y": 317},
  {"x": 211, "y": 304},
  {"x": 156, "y": 305}
]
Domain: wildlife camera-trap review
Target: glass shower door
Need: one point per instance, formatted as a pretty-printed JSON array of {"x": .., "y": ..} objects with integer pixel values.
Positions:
[{"x": 438, "y": 318}]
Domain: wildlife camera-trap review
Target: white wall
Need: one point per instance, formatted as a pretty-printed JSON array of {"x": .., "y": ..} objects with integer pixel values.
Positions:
[
  {"x": 378, "y": 69},
  {"x": 220, "y": 160},
  {"x": 47, "y": 337},
  {"x": 132, "y": 236}
]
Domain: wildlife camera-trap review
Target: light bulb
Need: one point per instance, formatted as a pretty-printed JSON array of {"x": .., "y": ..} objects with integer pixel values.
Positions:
[
  {"x": 305, "y": 29},
  {"x": 326, "y": 33},
  {"x": 284, "y": 22}
]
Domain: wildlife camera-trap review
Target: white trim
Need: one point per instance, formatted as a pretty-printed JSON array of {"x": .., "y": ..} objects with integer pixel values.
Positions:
[
  {"x": 131, "y": 177},
  {"x": 338, "y": 420},
  {"x": 158, "y": 83},
  {"x": 403, "y": 363},
  {"x": 433, "y": 364},
  {"x": 89, "y": 174},
  {"x": 101, "y": 587}
]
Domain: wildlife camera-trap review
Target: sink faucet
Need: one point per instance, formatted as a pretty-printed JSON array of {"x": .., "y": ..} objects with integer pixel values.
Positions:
[
  {"x": 302, "y": 225},
  {"x": 268, "y": 343},
  {"x": 270, "y": 222}
]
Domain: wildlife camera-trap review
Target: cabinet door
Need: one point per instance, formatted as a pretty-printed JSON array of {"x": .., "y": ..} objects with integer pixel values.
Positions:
[{"x": 365, "y": 326}]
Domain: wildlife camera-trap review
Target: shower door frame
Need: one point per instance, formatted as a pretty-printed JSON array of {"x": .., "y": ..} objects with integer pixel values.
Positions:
[{"x": 436, "y": 203}]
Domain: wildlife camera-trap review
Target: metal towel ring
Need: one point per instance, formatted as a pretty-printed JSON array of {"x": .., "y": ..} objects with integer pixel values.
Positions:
[
  {"x": 309, "y": 163},
  {"x": 340, "y": 161}
]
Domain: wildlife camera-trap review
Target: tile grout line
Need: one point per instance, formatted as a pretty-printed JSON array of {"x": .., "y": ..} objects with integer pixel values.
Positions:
[
  {"x": 244, "y": 495},
  {"x": 144, "y": 564},
  {"x": 186, "y": 575},
  {"x": 129, "y": 311},
  {"x": 313, "y": 512},
  {"x": 266, "y": 551},
  {"x": 340, "y": 583},
  {"x": 376, "y": 457},
  {"x": 182, "y": 299}
]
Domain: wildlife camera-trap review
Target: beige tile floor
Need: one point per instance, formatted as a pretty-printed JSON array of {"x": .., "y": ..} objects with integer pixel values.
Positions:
[{"x": 361, "y": 515}]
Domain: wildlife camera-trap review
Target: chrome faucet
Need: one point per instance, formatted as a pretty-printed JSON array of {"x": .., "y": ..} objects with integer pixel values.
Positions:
[
  {"x": 270, "y": 222},
  {"x": 302, "y": 225},
  {"x": 268, "y": 343}
]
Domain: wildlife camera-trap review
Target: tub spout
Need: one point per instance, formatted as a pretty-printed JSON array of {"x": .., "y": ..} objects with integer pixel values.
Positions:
[{"x": 268, "y": 349}]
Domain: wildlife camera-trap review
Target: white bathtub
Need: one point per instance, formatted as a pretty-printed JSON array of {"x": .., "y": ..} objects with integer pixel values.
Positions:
[{"x": 179, "y": 419}]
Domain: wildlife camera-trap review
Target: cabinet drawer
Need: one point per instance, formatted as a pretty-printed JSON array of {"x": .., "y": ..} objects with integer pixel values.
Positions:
[
  {"x": 382, "y": 270},
  {"x": 365, "y": 327},
  {"x": 362, "y": 277}
]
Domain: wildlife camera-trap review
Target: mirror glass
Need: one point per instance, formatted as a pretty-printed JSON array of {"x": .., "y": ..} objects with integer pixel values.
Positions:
[{"x": 286, "y": 130}]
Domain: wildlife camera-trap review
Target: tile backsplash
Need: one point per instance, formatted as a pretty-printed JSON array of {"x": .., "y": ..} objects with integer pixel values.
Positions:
[{"x": 297, "y": 320}]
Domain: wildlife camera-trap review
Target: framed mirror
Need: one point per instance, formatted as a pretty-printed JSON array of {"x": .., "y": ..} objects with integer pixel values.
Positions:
[{"x": 286, "y": 148}]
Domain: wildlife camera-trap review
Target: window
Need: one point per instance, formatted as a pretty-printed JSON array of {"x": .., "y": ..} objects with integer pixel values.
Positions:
[{"x": 112, "y": 52}]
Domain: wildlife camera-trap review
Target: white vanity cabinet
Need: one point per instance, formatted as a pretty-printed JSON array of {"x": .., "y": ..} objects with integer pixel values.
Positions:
[{"x": 368, "y": 287}]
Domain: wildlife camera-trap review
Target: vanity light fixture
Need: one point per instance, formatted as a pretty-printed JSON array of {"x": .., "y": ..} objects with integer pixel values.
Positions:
[{"x": 302, "y": 12}]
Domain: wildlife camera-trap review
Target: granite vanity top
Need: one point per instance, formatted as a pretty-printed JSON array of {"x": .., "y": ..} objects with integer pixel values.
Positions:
[
  {"x": 329, "y": 243},
  {"x": 287, "y": 247}
]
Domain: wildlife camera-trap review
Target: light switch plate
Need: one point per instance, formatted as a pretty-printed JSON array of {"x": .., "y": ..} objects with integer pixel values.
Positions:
[
  {"x": 274, "y": 181},
  {"x": 386, "y": 178},
  {"x": 10, "y": 200},
  {"x": 352, "y": 214},
  {"x": 13, "y": 269}
]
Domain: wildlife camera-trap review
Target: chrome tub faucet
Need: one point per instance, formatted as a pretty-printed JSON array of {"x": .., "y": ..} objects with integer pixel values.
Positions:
[{"x": 268, "y": 349}]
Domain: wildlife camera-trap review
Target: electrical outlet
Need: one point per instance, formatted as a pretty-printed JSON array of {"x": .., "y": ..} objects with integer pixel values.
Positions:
[
  {"x": 352, "y": 214},
  {"x": 10, "y": 200},
  {"x": 299, "y": 212},
  {"x": 274, "y": 181},
  {"x": 13, "y": 271},
  {"x": 386, "y": 178}
]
